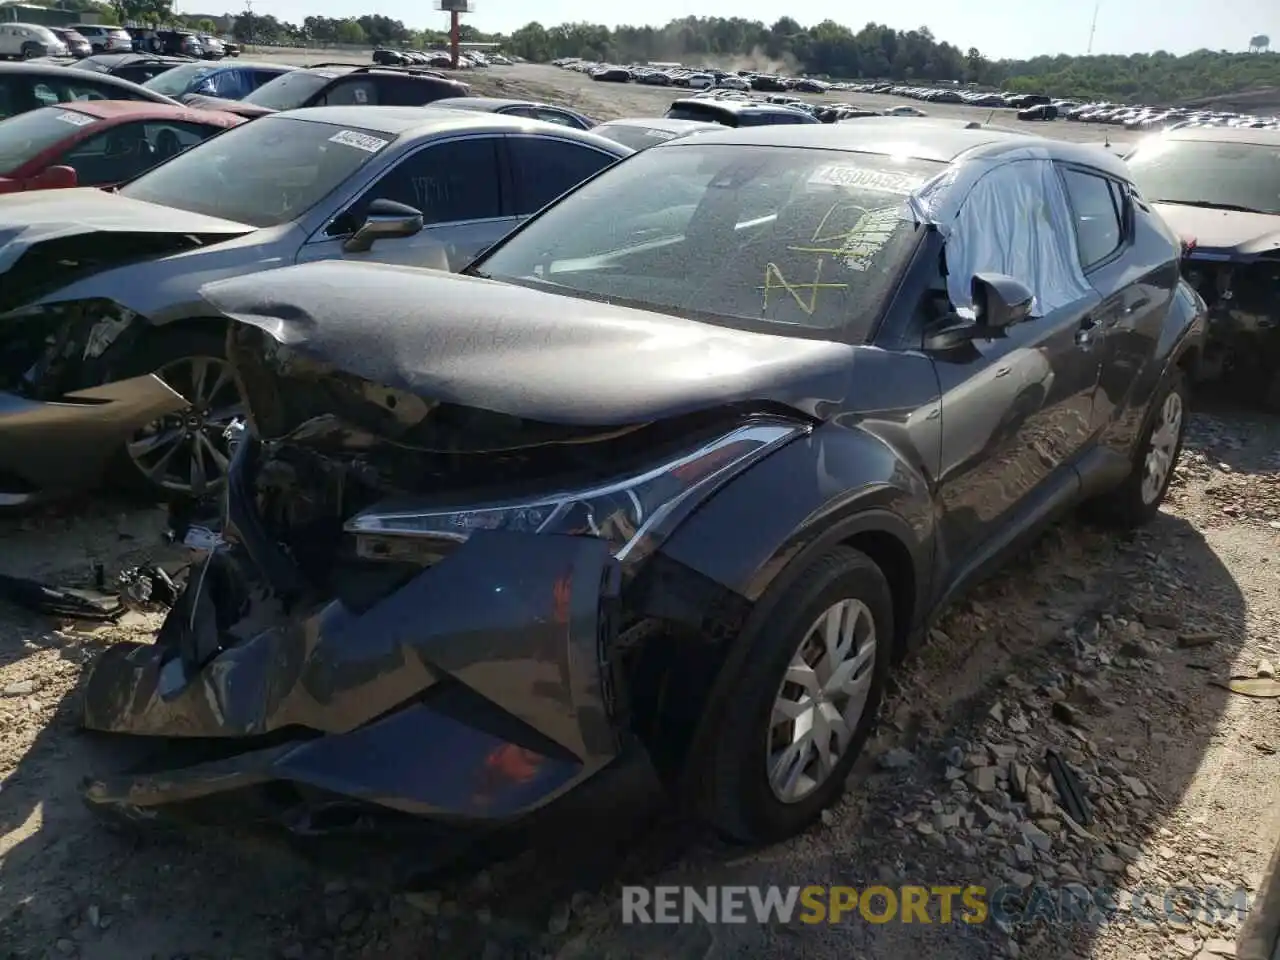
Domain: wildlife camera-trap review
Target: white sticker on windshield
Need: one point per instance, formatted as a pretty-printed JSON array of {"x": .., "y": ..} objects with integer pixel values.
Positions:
[
  {"x": 660, "y": 134},
  {"x": 75, "y": 119},
  {"x": 868, "y": 237},
  {"x": 361, "y": 141},
  {"x": 360, "y": 95},
  {"x": 870, "y": 181}
]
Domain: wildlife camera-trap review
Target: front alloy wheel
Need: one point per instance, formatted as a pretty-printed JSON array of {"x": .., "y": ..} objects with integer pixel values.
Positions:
[
  {"x": 186, "y": 453},
  {"x": 1137, "y": 500},
  {"x": 821, "y": 700},
  {"x": 800, "y": 702}
]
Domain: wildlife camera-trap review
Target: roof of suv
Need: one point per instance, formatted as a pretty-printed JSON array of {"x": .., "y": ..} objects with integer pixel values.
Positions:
[{"x": 906, "y": 136}]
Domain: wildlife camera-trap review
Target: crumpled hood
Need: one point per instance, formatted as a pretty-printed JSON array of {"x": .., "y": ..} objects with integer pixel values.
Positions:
[
  {"x": 1226, "y": 231},
  {"x": 523, "y": 352},
  {"x": 28, "y": 219}
]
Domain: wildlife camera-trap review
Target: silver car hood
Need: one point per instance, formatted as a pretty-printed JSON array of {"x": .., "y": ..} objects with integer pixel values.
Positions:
[{"x": 30, "y": 219}]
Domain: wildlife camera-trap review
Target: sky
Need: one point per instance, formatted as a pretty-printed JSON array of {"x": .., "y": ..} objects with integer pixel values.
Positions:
[{"x": 999, "y": 28}]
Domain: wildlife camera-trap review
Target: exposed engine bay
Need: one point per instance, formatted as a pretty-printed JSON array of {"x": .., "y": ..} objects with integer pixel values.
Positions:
[{"x": 1243, "y": 301}]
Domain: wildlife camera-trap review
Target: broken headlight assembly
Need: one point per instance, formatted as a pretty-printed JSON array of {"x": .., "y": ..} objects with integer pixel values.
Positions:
[{"x": 633, "y": 514}]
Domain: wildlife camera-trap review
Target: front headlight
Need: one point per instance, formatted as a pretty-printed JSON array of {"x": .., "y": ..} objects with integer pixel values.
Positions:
[{"x": 632, "y": 514}]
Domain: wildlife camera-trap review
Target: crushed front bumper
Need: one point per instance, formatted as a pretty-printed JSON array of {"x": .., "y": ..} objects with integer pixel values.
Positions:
[{"x": 480, "y": 690}]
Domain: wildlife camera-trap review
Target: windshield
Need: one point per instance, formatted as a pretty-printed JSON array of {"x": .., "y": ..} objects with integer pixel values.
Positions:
[
  {"x": 263, "y": 173},
  {"x": 1211, "y": 173},
  {"x": 289, "y": 90},
  {"x": 805, "y": 242},
  {"x": 28, "y": 134},
  {"x": 637, "y": 138},
  {"x": 94, "y": 64},
  {"x": 179, "y": 80}
]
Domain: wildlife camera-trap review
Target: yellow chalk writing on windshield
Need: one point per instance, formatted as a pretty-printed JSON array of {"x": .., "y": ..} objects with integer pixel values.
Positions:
[{"x": 774, "y": 280}]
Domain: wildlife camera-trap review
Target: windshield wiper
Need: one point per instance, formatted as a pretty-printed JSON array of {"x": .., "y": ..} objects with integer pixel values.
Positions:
[{"x": 1214, "y": 205}]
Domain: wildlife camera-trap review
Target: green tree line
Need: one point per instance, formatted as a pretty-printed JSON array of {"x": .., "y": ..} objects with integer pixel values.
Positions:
[{"x": 878, "y": 52}]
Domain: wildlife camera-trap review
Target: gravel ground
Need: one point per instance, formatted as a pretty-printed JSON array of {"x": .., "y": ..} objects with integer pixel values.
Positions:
[{"x": 1106, "y": 650}]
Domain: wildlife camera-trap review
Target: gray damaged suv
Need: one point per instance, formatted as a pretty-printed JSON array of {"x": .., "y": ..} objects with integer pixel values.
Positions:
[{"x": 98, "y": 288}]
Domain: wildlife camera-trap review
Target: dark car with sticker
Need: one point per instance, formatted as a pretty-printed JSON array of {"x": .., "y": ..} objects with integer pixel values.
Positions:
[
  {"x": 1219, "y": 189},
  {"x": 403, "y": 185},
  {"x": 683, "y": 466}
]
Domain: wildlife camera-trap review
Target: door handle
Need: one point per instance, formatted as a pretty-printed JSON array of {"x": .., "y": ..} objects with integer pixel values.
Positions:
[{"x": 1137, "y": 305}]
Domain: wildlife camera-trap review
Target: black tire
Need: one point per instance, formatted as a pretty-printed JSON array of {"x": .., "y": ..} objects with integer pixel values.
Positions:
[
  {"x": 30, "y": 51},
  {"x": 733, "y": 793},
  {"x": 1126, "y": 507},
  {"x": 161, "y": 349}
]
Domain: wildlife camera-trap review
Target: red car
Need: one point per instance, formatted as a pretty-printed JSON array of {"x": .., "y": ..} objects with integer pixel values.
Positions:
[{"x": 98, "y": 143}]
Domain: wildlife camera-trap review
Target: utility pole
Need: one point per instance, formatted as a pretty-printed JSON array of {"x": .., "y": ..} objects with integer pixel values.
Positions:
[
  {"x": 248, "y": 6},
  {"x": 1093, "y": 27}
]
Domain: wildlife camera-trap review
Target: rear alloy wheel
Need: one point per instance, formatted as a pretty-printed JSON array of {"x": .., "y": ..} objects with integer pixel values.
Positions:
[
  {"x": 185, "y": 453},
  {"x": 1137, "y": 500},
  {"x": 1162, "y": 449},
  {"x": 784, "y": 740}
]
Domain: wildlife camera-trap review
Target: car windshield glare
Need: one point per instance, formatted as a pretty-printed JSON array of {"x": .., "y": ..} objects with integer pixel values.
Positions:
[
  {"x": 179, "y": 80},
  {"x": 633, "y": 135},
  {"x": 25, "y": 136},
  {"x": 1207, "y": 172},
  {"x": 793, "y": 241},
  {"x": 263, "y": 173},
  {"x": 289, "y": 90}
]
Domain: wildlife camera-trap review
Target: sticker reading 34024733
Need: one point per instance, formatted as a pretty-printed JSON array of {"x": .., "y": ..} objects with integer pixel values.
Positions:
[
  {"x": 361, "y": 141},
  {"x": 869, "y": 181},
  {"x": 75, "y": 119}
]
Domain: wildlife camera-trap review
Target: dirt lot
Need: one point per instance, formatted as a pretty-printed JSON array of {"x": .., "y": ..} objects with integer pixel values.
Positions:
[
  {"x": 609, "y": 101},
  {"x": 1105, "y": 649}
]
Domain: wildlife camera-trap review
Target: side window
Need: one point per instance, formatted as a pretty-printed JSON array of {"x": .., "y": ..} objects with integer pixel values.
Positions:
[
  {"x": 49, "y": 92},
  {"x": 1095, "y": 209},
  {"x": 169, "y": 139},
  {"x": 117, "y": 154},
  {"x": 555, "y": 116},
  {"x": 545, "y": 168},
  {"x": 262, "y": 76},
  {"x": 229, "y": 84},
  {"x": 525, "y": 112},
  {"x": 347, "y": 93},
  {"x": 14, "y": 96},
  {"x": 412, "y": 91},
  {"x": 448, "y": 182}
]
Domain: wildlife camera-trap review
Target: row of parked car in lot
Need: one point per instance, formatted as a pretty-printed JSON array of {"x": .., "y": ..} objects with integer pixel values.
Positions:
[
  {"x": 29, "y": 41},
  {"x": 540, "y": 443},
  {"x": 1029, "y": 106},
  {"x": 400, "y": 57}
]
